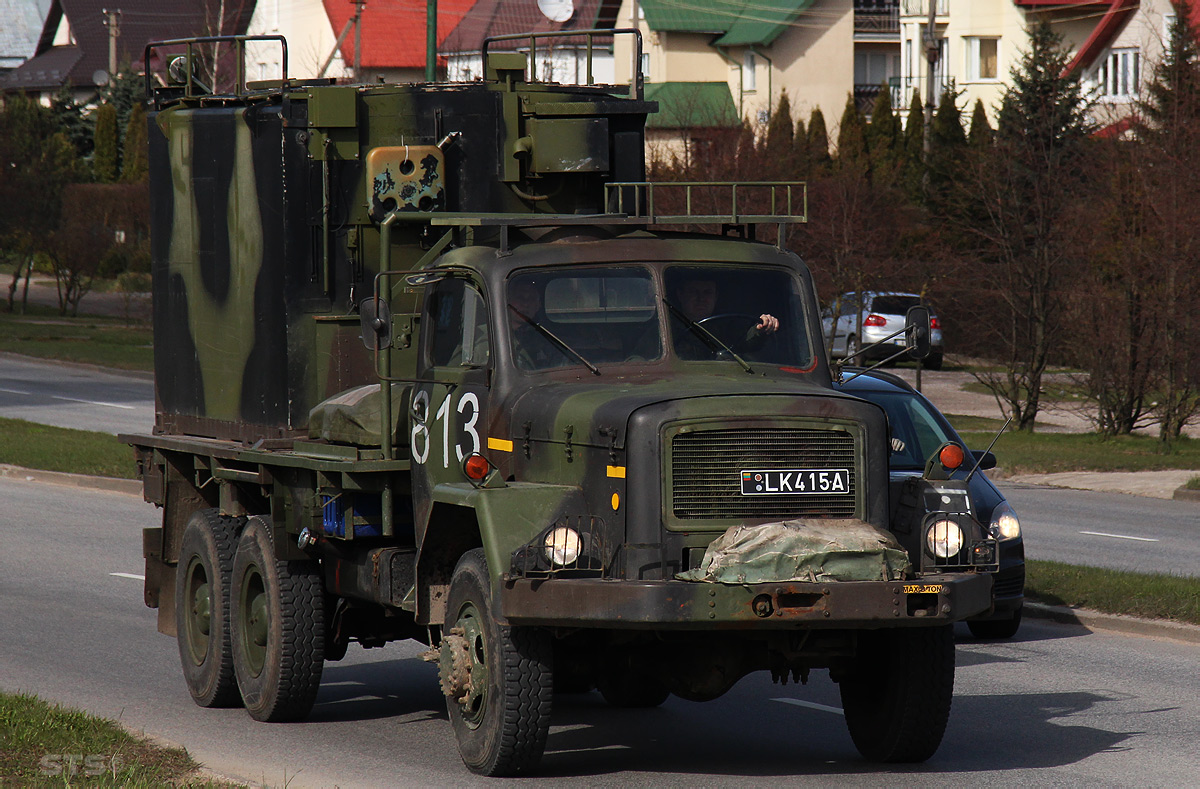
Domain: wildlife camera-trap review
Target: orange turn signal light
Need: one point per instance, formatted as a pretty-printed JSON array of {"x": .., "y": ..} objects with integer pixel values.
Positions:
[
  {"x": 476, "y": 467},
  {"x": 951, "y": 456}
]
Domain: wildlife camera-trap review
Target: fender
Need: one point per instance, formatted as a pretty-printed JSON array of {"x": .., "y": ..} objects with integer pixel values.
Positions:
[{"x": 505, "y": 519}]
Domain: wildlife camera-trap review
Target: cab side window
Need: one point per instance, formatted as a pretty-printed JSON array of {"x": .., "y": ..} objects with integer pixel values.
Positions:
[{"x": 458, "y": 326}]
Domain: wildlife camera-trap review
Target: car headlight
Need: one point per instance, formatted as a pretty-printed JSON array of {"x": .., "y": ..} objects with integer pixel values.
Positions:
[
  {"x": 562, "y": 546},
  {"x": 1005, "y": 525},
  {"x": 944, "y": 538}
]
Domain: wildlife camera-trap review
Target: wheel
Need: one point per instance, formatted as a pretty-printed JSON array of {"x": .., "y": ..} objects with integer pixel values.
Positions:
[
  {"x": 498, "y": 679},
  {"x": 933, "y": 361},
  {"x": 278, "y": 629},
  {"x": 631, "y": 689},
  {"x": 202, "y": 607},
  {"x": 996, "y": 629},
  {"x": 852, "y": 350},
  {"x": 897, "y": 695}
]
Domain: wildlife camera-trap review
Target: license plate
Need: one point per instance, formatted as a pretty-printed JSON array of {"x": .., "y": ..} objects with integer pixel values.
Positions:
[{"x": 792, "y": 481}]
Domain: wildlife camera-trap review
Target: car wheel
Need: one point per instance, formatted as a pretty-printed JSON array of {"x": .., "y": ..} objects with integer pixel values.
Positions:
[
  {"x": 852, "y": 350},
  {"x": 996, "y": 629},
  {"x": 933, "y": 361},
  {"x": 278, "y": 637},
  {"x": 498, "y": 679}
]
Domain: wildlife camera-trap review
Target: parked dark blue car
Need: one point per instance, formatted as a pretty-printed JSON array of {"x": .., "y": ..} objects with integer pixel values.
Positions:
[{"x": 918, "y": 429}]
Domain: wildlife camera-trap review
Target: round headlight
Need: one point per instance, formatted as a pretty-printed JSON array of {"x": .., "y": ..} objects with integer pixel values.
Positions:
[
  {"x": 944, "y": 538},
  {"x": 562, "y": 546},
  {"x": 1005, "y": 524}
]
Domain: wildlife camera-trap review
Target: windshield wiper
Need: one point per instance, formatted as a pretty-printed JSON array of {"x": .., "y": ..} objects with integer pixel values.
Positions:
[
  {"x": 561, "y": 343},
  {"x": 708, "y": 338}
]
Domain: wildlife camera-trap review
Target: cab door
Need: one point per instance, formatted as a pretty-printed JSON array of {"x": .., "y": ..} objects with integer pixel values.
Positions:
[{"x": 448, "y": 410}]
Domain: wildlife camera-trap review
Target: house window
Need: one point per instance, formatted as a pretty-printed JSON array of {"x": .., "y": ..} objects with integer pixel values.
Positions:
[
  {"x": 646, "y": 66},
  {"x": 981, "y": 58},
  {"x": 1119, "y": 74},
  {"x": 750, "y": 73}
]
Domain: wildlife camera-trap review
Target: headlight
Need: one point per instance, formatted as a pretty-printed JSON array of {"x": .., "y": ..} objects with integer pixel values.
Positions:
[
  {"x": 1005, "y": 524},
  {"x": 562, "y": 546},
  {"x": 944, "y": 538}
]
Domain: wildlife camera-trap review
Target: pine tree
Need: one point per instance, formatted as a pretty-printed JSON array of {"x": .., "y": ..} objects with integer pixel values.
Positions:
[
  {"x": 948, "y": 141},
  {"x": 135, "y": 160},
  {"x": 914, "y": 149},
  {"x": 68, "y": 116},
  {"x": 105, "y": 162},
  {"x": 747, "y": 152},
  {"x": 779, "y": 129},
  {"x": 981, "y": 129},
  {"x": 818, "y": 142},
  {"x": 884, "y": 138},
  {"x": 800, "y": 149},
  {"x": 852, "y": 153}
]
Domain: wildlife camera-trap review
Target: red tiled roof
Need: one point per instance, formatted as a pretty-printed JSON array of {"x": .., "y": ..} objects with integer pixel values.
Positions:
[{"x": 393, "y": 31}]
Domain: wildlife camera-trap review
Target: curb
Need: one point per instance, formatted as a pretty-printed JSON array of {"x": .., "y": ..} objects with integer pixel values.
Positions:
[
  {"x": 1186, "y": 494},
  {"x": 129, "y": 487},
  {"x": 1129, "y": 625}
]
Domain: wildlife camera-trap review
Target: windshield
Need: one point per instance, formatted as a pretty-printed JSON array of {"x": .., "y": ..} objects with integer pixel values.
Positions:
[
  {"x": 583, "y": 316},
  {"x": 914, "y": 423},
  {"x": 757, "y": 313}
]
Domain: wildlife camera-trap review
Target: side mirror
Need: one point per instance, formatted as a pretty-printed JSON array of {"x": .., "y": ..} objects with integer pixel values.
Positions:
[
  {"x": 375, "y": 322},
  {"x": 985, "y": 459},
  {"x": 916, "y": 332}
]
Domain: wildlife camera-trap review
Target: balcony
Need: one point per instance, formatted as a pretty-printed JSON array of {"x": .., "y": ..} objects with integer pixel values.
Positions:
[
  {"x": 876, "y": 18},
  {"x": 865, "y": 95}
]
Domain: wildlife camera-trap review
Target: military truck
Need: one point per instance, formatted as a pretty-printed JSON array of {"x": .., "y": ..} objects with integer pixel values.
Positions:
[{"x": 435, "y": 362}]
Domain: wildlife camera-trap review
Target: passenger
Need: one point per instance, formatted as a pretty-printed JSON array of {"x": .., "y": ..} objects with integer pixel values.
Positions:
[{"x": 532, "y": 349}]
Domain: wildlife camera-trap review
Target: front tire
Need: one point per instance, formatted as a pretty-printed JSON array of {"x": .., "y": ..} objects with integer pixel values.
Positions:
[
  {"x": 498, "y": 679},
  {"x": 278, "y": 637},
  {"x": 897, "y": 695},
  {"x": 996, "y": 629},
  {"x": 202, "y": 595}
]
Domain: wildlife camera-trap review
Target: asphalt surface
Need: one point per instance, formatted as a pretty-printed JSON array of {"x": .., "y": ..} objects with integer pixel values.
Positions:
[
  {"x": 1056, "y": 706},
  {"x": 75, "y": 396}
]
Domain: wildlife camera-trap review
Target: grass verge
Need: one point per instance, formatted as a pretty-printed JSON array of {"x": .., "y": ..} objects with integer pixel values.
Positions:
[
  {"x": 48, "y": 745},
  {"x": 1046, "y": 453},
  {"x": 109, "y": 342},
  {"x": 31, "y": 445},
  {"x": 1156, "y": 596}
]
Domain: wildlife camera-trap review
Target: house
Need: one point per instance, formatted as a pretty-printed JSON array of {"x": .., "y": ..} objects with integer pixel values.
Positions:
[
  {"x": 558, "y": 59},
  {"x": 1113, "y": 44},
  {"x": 322, "y": 38},
  {"x": 82, "y": 41},
  {"x": 19, "y": 34},
  {"x": 748, "y": 52}
]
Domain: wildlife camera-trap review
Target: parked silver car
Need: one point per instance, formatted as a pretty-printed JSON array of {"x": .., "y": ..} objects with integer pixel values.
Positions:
[{"x": 879, "y": 315}]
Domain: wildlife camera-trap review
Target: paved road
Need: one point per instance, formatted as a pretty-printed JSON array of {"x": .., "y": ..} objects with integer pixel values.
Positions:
[
  {"x": 1113, "y": 530},
  {"x": 1057, "y": 706},
  {"x": 84, "y": 398}
]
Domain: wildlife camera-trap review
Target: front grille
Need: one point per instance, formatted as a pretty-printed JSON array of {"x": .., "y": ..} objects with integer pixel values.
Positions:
[{"x": 706, "y": 467}]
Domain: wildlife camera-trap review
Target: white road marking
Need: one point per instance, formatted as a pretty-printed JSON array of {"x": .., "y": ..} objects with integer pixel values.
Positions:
[
  {"x": 1118, "y": 536},
  {"x": 129, "y": 575},
  {"x": 71, "y": 399},
  {"x": 812, "y": 705},
  {"x": 93, "y": 402}
]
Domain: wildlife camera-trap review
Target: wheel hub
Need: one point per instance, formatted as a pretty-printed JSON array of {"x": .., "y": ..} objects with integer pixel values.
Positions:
[
  {"x": 454, "y": 667},
  {"x": 462, "y": 667}
]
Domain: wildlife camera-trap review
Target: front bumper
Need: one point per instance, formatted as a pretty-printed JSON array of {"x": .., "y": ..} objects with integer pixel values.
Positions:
[{"x": 687, "y": 605}]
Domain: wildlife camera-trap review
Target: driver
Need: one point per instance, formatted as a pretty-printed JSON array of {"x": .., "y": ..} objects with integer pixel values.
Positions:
[
  {"x": 697, "y": 299},
  {"x": 531, "y": 349}
]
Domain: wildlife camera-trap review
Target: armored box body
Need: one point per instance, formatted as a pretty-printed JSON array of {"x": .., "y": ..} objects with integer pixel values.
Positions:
[{"x": 265, "y": 237}]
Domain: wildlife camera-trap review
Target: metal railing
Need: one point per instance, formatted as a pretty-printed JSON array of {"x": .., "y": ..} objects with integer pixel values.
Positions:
[
  {"x": 190, "y": 82},
  {"x": 736, "y": 202},
  {"x": 589, "y": 36}
]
